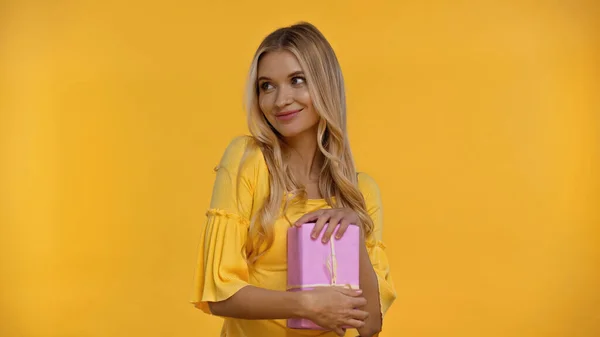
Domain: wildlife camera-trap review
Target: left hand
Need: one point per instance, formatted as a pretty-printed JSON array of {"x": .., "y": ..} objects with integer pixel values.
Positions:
[{"x": 342, "y": 216}]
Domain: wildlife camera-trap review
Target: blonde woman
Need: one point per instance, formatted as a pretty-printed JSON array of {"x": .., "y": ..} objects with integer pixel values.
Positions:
[{"x": 296, "y": 167}]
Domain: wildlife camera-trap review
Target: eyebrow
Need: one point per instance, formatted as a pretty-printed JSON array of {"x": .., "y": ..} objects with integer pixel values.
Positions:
[{"x": 295, "y": 73}]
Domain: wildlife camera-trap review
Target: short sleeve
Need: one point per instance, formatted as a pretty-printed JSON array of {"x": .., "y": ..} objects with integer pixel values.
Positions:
[
  {"x": 375, "y": 245},
  {"x": 221, "y": 268}
]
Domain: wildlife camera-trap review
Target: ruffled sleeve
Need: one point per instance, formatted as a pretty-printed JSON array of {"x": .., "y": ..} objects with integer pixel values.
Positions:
[
  {"x": 221, "y": 268},
  {"x": 375, "y": 245}
]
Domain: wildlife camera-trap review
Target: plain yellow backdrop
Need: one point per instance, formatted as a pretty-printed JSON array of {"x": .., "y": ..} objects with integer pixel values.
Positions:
[{"x": 478, "y": 119}]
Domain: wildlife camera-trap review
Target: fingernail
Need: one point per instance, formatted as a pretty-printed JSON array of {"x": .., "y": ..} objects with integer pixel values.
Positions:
[
  {"x": 338, "y": 236},
  {"x": 324, "y": 240}
]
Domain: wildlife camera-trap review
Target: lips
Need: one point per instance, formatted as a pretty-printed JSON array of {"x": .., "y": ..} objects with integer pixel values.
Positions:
[{"x": 287, "y": 115}]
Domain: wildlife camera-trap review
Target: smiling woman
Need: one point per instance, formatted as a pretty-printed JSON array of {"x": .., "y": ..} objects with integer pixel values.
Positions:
[
  {"x": 283, "y": 95},
  {"x": 297, "y": 165}
]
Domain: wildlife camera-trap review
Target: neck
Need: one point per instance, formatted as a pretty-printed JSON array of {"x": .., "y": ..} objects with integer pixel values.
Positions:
[{"x": 305, "y": 158}]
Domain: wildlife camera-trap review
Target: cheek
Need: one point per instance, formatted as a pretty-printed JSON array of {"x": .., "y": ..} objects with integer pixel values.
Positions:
[
  {"x": 265, "y": 105},
  {"x": 303, "y": 96},
  {"x": 261, "y": 103},
  {"x": 265, "y": 102}
]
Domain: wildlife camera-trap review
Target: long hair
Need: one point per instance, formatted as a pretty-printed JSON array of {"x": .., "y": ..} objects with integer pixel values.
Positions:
[{"x": 338, "y": 181}]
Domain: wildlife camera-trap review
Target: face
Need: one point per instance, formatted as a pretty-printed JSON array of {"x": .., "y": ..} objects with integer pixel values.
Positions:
[{"x": 283, "y": 95}]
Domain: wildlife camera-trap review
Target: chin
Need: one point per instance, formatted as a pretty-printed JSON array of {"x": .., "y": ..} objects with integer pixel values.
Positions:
[
  {"x": 289, "y": 134},
  {"x": 293, "y": 132}
]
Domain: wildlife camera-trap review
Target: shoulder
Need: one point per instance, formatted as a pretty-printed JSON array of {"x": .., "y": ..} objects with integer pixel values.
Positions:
[
  {"x": 244, "y": 155},
  {"x": 239, "y": 147},
  {"x": 368, "y": 187}
]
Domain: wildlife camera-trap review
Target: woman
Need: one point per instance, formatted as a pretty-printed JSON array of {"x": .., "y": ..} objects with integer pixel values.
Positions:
[{"x": 296, "y": 167}]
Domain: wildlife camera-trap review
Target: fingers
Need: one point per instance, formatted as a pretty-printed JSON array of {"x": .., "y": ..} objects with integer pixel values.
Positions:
[
  {"x": 358, "y": 302},
  {"x": 334, "y": 217},
  {"x": 358, "y": 314},
  {"x": 308, "y": 217},
  {"x": 343, "y": 226},
  {"x": 349, "y": 292},
  {"x": 339, "y": 331},
  {"x": 355, "y": 323},
  {"x": 333, "y": 222},
  {"x": 323, "y": 218}
]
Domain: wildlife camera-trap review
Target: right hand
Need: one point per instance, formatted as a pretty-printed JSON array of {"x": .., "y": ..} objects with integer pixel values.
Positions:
[{"x": 334, "y": 307}]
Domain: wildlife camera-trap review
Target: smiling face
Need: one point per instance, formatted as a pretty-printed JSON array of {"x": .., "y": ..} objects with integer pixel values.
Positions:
[{"x": 283, "y": 95}]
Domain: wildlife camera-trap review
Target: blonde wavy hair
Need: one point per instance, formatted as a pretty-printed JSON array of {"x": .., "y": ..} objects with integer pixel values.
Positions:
[{"x": 338, "y": 180}]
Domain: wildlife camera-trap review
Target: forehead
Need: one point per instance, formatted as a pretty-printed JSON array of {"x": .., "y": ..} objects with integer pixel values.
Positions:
[{"x": 278, "y": 64}]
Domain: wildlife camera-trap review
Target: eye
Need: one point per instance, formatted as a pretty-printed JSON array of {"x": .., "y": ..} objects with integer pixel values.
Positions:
[
  {"x": 298, "y": 80},
  {"x": 264, "y": 86}
]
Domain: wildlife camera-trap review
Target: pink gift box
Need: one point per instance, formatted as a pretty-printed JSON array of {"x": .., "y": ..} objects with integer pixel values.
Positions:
[{"x": 312, "y": 263}]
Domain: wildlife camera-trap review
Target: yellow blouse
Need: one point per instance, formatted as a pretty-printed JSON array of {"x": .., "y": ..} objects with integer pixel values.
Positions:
[{"x": 221, "y": 269}]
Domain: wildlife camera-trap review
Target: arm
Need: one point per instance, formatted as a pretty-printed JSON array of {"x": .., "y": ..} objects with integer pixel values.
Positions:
[
  {"x": 221, "y": 269},
  {"x": 370, "y": 288},
  {"x": 375, "y": 278},
  {"x": 329, "y": 307},
  {"x": 257, "y": 303}
]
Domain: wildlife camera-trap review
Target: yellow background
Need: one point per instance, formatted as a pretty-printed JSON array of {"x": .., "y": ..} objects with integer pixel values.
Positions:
[{"x": 479, "y": 120}]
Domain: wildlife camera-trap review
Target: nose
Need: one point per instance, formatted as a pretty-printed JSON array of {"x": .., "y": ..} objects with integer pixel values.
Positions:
[{"x": 284, "y": 96}]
